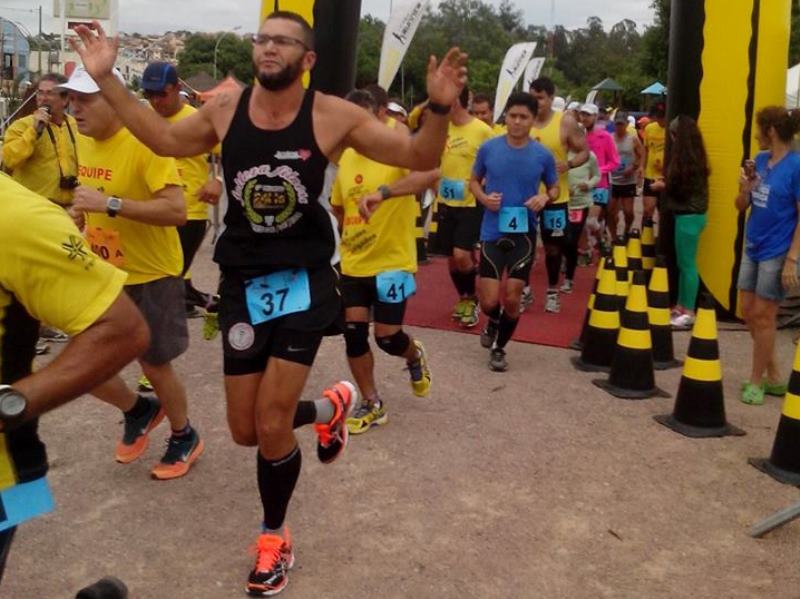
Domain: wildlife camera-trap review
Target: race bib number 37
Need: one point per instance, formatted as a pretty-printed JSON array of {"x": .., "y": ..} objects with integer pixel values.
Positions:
[
  {"x": 106, "y": 243},
  {"x": 278, "y": 294}
]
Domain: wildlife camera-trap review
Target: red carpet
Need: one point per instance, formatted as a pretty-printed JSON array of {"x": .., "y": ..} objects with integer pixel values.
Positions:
[{"x": 433, "y": 304}]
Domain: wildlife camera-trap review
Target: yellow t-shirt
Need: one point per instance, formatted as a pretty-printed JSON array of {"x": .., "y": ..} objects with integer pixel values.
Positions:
[
  {"x": 498, "y": 130},
  {"x": 47, "y": 268},
  {"x": 122, "y": 166},
  {"x": 457, "y": 160},
  {"x": 550, "y": 137},
  {"x": 193, "y": 172},
  {"x": 388, "y": 241},
  {"x": 35, "y": 160},
  {"x": 654, "y": 139}
]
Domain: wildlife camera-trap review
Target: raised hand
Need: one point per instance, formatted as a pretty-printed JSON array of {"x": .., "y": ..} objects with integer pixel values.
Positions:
[
  {"x": 97, "y": 51},
  {"x": 446, "y": 79}
]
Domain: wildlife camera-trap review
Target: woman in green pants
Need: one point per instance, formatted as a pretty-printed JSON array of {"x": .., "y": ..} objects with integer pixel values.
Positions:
[{"x": 686, "y": 197}]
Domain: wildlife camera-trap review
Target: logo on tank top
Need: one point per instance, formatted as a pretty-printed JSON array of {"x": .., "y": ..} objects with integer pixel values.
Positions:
[{"x": 270, "y": 197}]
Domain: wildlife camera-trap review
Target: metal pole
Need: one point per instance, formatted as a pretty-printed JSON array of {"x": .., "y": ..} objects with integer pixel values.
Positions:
[
  {"x": 61, "y": 59},
  {"x": 775, "y": 520},
  {"x": 40, "y": 40}
]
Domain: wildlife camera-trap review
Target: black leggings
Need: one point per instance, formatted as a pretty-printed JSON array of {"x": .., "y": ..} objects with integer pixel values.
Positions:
[
  {"x": 574, "y": 230},
  {"x": 192, "y": 235}
]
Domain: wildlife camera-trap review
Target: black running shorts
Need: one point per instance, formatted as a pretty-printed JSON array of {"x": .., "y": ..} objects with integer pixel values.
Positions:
[
  {"x": 623, "y": 191},
  {"x": 361, "y": 292},
  {"x": 458, "y": 228},
  {"x": 295, "y": 337},
  {"x": 511, "y": 253}
]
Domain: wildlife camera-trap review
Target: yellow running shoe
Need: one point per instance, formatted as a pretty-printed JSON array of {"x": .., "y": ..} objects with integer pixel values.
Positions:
[
  {"x": 419, "y": 372},
  {"x": 366, "y": 416},
  {"x": 459, "y": 308}
]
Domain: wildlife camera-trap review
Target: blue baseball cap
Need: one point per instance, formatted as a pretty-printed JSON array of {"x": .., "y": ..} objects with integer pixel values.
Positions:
[{"x": 158, "y": 75}]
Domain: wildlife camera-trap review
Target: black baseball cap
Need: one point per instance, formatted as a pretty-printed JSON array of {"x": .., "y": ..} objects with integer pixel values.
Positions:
[{"x": 158, "y": 75}]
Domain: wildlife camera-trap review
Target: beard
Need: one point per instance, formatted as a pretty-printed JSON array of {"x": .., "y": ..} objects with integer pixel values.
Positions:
[{"x": 282, "y": 79}]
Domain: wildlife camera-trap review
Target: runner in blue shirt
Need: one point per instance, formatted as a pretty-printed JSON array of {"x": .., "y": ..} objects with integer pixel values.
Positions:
[
  {"x": 770, "y": 187},
  {"x": 508, "y": 178}
]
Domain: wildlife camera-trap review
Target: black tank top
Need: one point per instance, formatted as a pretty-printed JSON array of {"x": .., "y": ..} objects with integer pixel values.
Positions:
[{"x": 278, "y": 187}]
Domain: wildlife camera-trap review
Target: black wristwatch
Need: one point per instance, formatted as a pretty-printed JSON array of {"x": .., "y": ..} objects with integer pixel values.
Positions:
[
  {"x": 13, "y": 405},
  {"x": 441, "y": 109},
  {"x": 113, "y": 206},
  {"x": 385, "y": 192}
]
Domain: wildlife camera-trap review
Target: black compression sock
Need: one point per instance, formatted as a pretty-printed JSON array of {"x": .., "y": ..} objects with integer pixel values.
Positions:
[
  {"x": 276, "y": 481},
  {"x": 505, "y": 329},
  {"x": 494, "y": 316},
  {"x": 469, "y": 282},
  {"x": 306, "y": 413}
]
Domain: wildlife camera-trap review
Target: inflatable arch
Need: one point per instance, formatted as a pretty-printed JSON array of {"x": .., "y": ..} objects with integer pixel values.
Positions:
[
  {"x": 727, "y": 60},
  {"x": 335, "y": 25}
]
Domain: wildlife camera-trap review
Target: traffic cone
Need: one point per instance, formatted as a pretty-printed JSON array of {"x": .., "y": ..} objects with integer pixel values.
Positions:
[
  {"x": 660, "y": 327},
  {"x": 699, "y": 409},
  {"x": 632, "y": 375},
  {"x": 634, "y": 251},
  {"x": 648, "y": 246},
  {"x": 601, "y": 334},
  {"x": 577, "y": 344},
  {"x": 422, "y": 251},
  {"x": 784, "y": 463},
  {"x": 621, "y": 265}
]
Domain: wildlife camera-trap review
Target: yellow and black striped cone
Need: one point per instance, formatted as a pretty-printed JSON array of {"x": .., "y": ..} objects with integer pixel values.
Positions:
[
  {"x": 634, "y": 251},
  {"x": 601, "y": 334},
  {"x": 648, "y": 245},
  {"x": 784, "y": 463},
  {"x": 620, "y": 256},
  {"x": 422, "y": 252},
  {"x": 577, "y": 344},
  {"x": 699, "y": 409},
  {"x": 660, "y": 327},
  {"x": 632, "y": 375}
]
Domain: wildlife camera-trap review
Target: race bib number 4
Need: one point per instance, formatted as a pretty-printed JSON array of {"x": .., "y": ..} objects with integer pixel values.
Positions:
[
  {"x": 452, "y": 189},
  {"x": 106, "y": 243},
  {"x": 395, "y": 286},
  {"x": 513, "y": 219},
  {"x": 278, "y": 294}
]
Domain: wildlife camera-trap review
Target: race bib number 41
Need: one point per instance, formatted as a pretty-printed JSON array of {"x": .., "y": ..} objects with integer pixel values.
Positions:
[
  {"x": 395, "y": 286},
  {"x": 513, "y": 219},
  {"x": 278, "y": 294},
  {"x": 106, "y": 243},
  {"x": 452, "y": 189}
]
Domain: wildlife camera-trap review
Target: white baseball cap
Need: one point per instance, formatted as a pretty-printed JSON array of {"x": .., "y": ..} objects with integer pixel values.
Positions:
[
  {"x": 81, "y": 81},
  {"x": 590, "y": 109},
  {"x": 559, "y": 104},
  {"x": 574, "y": 106}
]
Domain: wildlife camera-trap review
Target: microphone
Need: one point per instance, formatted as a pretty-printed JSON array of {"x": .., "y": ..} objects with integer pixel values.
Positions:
[{"x": 41, "y": 124}]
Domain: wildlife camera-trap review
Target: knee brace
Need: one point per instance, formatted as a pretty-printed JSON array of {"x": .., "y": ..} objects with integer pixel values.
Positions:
[
  {"x": 394, "y": 345},
  {"x": 356, "y": 339}
]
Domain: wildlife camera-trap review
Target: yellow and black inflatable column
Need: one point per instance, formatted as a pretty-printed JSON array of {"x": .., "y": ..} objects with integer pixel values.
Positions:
[
  {"x": 784, "y": 462},
  {"x": 335, "y": 25},
  {"x": 727, "y": 60}
]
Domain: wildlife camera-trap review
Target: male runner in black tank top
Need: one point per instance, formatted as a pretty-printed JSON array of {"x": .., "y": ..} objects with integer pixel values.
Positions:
[{"x": 278, "y": 246}]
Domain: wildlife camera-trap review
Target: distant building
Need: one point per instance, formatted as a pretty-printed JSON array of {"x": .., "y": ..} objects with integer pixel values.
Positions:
[{"x": 16, "y": 53}]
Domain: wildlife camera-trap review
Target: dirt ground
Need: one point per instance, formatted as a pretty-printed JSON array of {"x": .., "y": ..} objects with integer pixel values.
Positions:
[{"x": 528, "y": 484}]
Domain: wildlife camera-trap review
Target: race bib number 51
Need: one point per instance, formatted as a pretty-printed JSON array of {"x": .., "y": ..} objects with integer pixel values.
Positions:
[
  {"x": 106, "y": 243},
  {"x": 452, "y": 189},
  {"x": 278, "y": 294}
]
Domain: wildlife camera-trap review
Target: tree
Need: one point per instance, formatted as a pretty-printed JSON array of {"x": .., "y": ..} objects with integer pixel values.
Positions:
[
  {"x": 655, "y": 51},
  {"x": 794, "y": 40},
  {"x": 234, "y": 55}
]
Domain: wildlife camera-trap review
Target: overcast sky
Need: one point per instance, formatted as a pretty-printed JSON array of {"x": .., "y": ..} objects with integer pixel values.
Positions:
[{"x": 157, "y": 16}]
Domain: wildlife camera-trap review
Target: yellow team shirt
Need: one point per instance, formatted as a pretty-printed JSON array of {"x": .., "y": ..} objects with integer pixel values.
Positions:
[
  {"x": 654, "y": 140},
  {"x": 550, "y": 137},
  {"x": 498, "y": 130},
  {"x": 193, "y": 172},
  {"x": 122, "y": 166},
  {"x": 458, "y": 158},
  {"x": 35, "y": 160},
  {"x": 388, "y": 241},
  {"x": 47, "y": 267}
]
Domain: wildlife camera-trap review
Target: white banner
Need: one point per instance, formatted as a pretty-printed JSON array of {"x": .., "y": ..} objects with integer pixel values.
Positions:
[
  {"x": 514, "y": 65},
  {"x": 532, "y": 72},
  {"x": 397, "y": 36}
]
